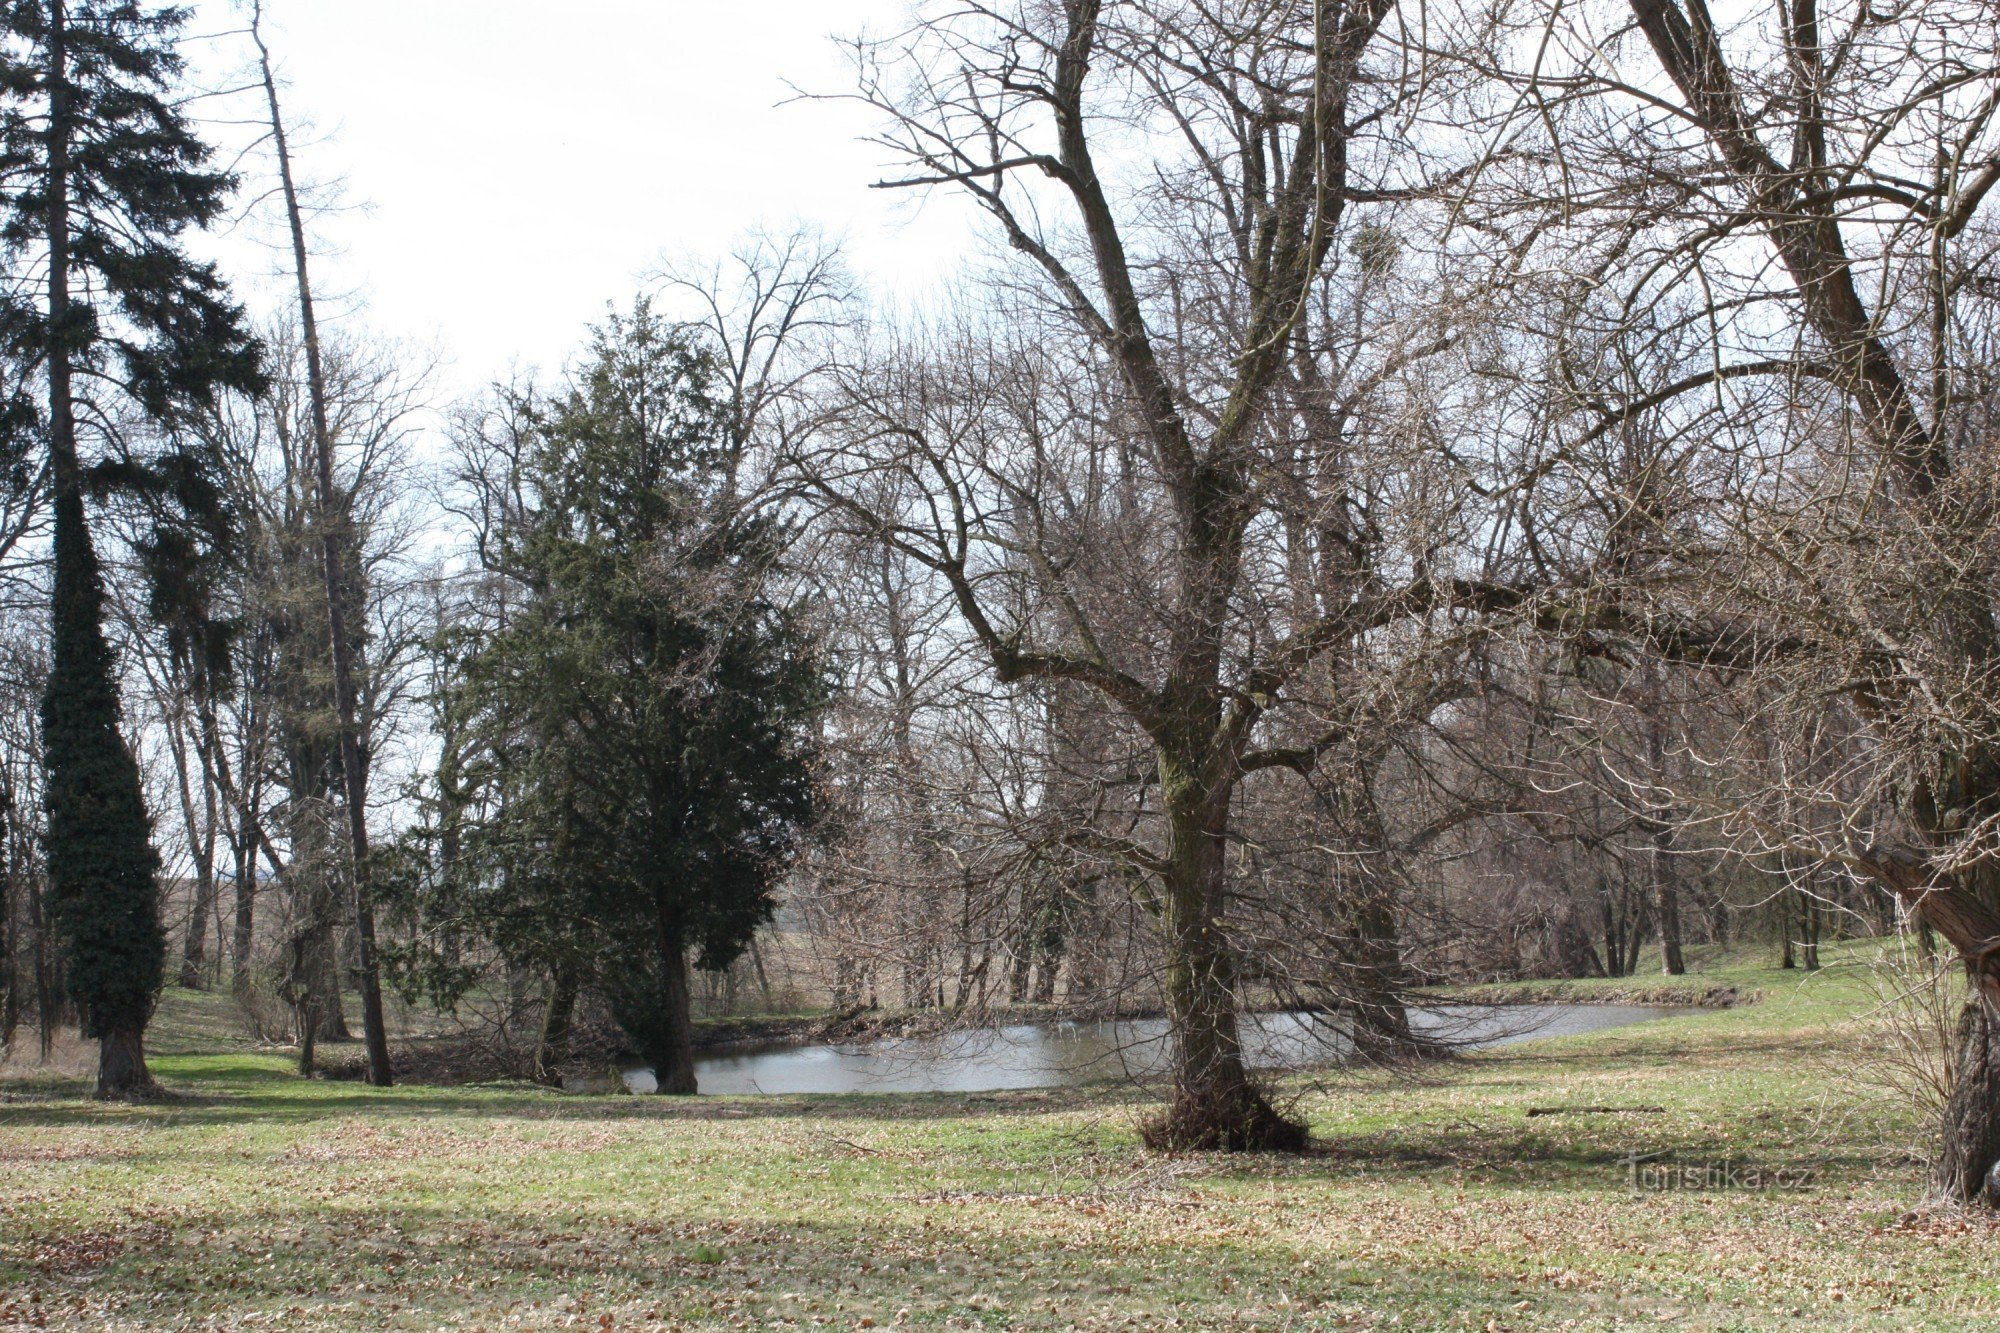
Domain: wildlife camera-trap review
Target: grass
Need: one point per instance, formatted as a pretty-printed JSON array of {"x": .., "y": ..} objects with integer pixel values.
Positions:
[{"x": 261, "y": 1199}]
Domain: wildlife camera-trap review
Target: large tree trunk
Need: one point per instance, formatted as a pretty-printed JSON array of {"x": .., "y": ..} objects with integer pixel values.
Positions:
[
  {"x": 49, "y": 998},
  {"x": 10, "y": 988},
  {"x": 121, "y": 1062},
  {"x": 194, "y": 947},
  {"x": 1970, "y": 1154},
  {"x": 201, "y": 843},
  {"x": 673, "y": 1061},
  {"x": 1614, "y": 939},
  {"x": 1667, "y": 902},
  {"x": 312, "y": 982},
  {"x": 1215, "y": 1103},
  {"x": 1809, "y": 924},
  {"x": 322, "y": 986},
  {"x": 244, "y": 843},
  {"x": 1374, "y": 983}
]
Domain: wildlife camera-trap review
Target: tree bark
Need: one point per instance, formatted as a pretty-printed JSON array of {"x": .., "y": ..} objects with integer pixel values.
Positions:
[
  {"x": 1970, "y": 1153},
  {"x": 1381, "y": 1021},
  {"x": 1214, "y": 1103},
  {"x": 10, "y": 926},
  {"x": 201, "y": 839},
  {"x": 1970, "y": 1150},
  {"x": 321, "y": 953},
  {"x": 1659, "y": 843},
  {"x": 48, "y": 991},
  {"x": 673, "y": 1063},
  {"x": 121, "y": 1063},
  {"x": 552, "y": 1046},
  {"x": 1809, "y": 922},
  {"x": 1667, "y": 898},
  {"x": 243, "y": 930}
]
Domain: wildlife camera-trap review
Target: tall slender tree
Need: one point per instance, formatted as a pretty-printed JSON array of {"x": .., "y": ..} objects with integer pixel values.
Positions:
[
  {"x": 102, "y": 174},
  {"x": 353, "y": 767}
]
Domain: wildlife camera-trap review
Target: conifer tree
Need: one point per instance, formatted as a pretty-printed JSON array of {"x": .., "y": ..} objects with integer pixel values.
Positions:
[
  {"x": 648, "y": 713},
  {"x": 102, "y": 175}
]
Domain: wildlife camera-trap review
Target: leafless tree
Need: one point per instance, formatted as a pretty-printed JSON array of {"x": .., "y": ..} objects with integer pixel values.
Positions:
[
  {"x": 1772, "y": 251},
  {"x": 1193, "y": 457}
]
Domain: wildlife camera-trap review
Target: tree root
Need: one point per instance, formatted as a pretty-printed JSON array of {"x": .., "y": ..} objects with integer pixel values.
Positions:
[{"x": 1239, "y": 1119}]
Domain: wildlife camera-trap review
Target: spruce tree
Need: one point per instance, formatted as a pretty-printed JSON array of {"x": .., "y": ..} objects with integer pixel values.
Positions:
[{"x": 102, "y": 175}]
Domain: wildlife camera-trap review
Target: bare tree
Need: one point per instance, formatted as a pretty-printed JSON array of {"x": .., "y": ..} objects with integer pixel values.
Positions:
[
  {"x": 1182, "y": 463},
  {"x": 1786, "y": 214}
]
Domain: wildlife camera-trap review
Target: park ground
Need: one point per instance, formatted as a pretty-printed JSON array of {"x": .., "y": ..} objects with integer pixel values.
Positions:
[{"x": 257, "y": 1199}]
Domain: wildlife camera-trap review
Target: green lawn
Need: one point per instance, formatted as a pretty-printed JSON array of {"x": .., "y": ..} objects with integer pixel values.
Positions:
[{"x": 259, "y": 1199}]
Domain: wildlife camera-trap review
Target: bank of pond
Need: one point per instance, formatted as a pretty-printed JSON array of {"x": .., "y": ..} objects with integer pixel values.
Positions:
[{"x": 1066, "y": 1054}]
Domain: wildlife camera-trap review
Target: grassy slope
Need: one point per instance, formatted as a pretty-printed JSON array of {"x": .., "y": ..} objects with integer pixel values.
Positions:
[{"x": 262, "y": 1198}]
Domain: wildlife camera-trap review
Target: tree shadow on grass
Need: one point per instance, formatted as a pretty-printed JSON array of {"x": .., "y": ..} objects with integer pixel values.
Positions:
[
  {"x": 946, "y": 1253},
  {"x": 943, "y": 1256},
  {"x": 260, "y": 1096}
]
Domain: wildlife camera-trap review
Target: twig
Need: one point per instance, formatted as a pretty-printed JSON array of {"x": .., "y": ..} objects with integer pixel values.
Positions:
[{"x": 1534, "y": 1111}]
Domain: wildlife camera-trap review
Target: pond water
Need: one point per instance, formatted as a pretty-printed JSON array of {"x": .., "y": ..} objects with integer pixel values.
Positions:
[{"x": 1064, "y": 1054}]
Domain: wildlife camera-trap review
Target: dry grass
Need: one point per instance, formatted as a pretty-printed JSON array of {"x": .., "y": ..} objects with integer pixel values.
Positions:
[{"x": 260, "y": 1199}]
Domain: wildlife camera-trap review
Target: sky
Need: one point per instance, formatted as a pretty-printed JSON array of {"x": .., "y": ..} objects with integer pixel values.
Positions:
[{"x": 506, "y": 167}]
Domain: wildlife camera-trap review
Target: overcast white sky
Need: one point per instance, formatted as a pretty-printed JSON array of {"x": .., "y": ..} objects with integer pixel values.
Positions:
[{"x": 514, "y": 164}]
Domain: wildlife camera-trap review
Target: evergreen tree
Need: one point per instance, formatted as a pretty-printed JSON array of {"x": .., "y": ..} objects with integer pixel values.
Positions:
[
  {"x": 648, "y": 713},
  {"x": 102, "y": 176}
]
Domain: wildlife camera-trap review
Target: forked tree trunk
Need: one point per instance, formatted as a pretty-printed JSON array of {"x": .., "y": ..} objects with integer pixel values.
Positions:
[
  {"x": 322, "y": 984},
  {"x": 48, "y": 990},
  {"x": 194, "y": 946},
  {"x": 243, "y": 928},
  {"x": 1969, "y": 1153},
  {"x": 243, "y": 845},
  {"x": 1614, "y": 940},
  {"x": 1667, "y": 901},
  {"x": 1809, "y": 923},
  {"x": 1660, "y": 866},
  {"x": 201, "y": 843}
]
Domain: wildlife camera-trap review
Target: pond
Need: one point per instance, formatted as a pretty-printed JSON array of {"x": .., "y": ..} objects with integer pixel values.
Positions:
[{"x": 1065, "y": 1054}]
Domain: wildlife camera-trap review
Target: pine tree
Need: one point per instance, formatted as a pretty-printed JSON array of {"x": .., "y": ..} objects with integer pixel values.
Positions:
[{"x": 103, "y": 174}]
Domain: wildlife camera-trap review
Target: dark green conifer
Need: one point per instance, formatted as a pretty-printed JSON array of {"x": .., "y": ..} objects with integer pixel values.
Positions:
[
  {"x": 102, "y": 174},
  {"x": 647, "y": 716}
]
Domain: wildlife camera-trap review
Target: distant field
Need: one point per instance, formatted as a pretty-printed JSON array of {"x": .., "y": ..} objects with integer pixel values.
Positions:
[{"x": 263, "y": 1200}]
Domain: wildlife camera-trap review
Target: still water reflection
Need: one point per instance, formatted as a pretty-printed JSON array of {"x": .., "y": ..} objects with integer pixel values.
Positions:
[{"x": 1063, "y": 1054}]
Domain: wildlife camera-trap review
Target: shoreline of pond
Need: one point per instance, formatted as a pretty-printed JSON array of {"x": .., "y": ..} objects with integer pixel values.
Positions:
[
  {"x": 860, "y": 1025},
  {"x": 1016, "y": 1056}
]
